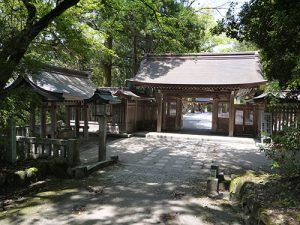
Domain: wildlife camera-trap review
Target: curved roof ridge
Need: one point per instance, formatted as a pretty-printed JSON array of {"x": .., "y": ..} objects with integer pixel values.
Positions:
[
  {"x": 65, "y": 71},
  {"x": 247, "y": 53}
]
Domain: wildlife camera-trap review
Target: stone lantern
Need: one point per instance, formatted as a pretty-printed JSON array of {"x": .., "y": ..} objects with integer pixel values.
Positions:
[{"x": 99, "y": 101}]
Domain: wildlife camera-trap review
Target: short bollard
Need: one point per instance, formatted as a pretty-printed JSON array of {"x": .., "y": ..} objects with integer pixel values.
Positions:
[
  {"x": 216, "y": 168},
  {"x": 212, "y": 186},
  {"x": 221, "y": 177}
]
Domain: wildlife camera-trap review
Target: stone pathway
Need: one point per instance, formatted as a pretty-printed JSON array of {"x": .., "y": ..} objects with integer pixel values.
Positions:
[{"x": 158, "y": 181}]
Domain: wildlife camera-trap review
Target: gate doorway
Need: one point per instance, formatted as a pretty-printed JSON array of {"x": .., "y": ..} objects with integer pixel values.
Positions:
[{"x": 196, "y": 115}]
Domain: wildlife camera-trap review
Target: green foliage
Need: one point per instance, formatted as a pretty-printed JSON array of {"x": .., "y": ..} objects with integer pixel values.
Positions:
[
  {"x": 17, "y": 106},
  {"x": 274, "y": 27},
  {"x": 284, "y": 150},
  {"x": 109, "y": 38}
]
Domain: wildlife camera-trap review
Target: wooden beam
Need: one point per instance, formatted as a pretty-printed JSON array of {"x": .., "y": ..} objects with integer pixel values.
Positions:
[
  {"x": 178, "y": 114},
  {"x": 126, "y": 115},
  {"x": 86, "y": 122},
  {"x": 11, "y": 153},
  {"x": 159, "y": 111},
  {"x": 77, "y": 121},
  {"x": 53, "y": 121},
  {"x": 68, "y": 116},
  {"x": 136, "y": 115},
  {"x": 102, "y": 136},
  {"x": 215, "y": 110},
  {"x": 231, "y": 115},
  {"x": 32, "y": 121},
  {"x": 164, "y": 116},
  {"x": 43, "y": 122}
]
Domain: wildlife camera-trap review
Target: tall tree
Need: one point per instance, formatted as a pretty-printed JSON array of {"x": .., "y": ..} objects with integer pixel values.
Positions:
[
  {"x": 22, "y": 28},
  {"x": 140, "y": 27},
  {"x": 274, "y": 26}
]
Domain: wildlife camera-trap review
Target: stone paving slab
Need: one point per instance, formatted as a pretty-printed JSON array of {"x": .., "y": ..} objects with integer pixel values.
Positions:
[{"x": 158, "y": 181}]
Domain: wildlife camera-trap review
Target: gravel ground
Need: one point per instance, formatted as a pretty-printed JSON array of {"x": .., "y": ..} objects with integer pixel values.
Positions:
[{"x": 158, "y": 181}]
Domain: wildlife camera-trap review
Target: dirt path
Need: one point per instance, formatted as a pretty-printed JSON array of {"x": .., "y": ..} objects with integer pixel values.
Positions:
[{"x": 157, "y": 182}]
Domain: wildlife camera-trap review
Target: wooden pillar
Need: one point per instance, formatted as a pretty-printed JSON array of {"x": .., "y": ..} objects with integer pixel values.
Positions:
[
  {"x": 102, "y": 136},
  {"x": 11, "y": 153},
  {"x": 159, "y": 111},
  {"x": 32, "y": 121},
  {"x": 43, "y": 122},
  {"x": 68, "y": 116},
  {"x": 136, "y": 116},
  {"x": 231, "y": 115},
  {"x": 255, "y": 120},
  {"x": 86, "y": 122},
  {"x": 215, "y": 110},
  {"x": 53, "y": 121},
  {"x": 77, "y": 121},
  {"x": 164, "y": 116},
  {"x": 126, "y": 116}
]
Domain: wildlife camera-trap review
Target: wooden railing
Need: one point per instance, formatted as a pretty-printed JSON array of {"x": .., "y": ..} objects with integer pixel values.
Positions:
[
  {"x": 32, "y": 147},
  {"x": 285, "y": 115}
]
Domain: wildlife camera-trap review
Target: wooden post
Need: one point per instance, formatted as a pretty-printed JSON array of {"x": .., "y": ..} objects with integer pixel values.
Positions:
[
  {"x": 164, "y": 116},
  {"x": 77, "y": 122},
  {"x": 126, "y": 115},
  {"x": 43, "y": 122},
  {"x": 255, "y": 120},
  {"x": 231, "y": 115},
  {"x": 159, "y": 111},
  {"x": 68, "y": 116},
  {"x": 11, "y": 154},
  {"x": 136, "y": 115},
  {"x": 102, "y": 136},
  {"x": 178, "y": 114},
  {"x": 215, "y": 114},
  {"x": 32, "y": 122},
  {"x": 73, "y": 152},
  {"x": 86, "y": 122},
  {"x": 53, "y": 121}
]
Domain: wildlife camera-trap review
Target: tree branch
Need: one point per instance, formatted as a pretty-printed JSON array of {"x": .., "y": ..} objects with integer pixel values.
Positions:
[
  {"x": 49, "y": 17},
  {"x": 31, "y": 10}
]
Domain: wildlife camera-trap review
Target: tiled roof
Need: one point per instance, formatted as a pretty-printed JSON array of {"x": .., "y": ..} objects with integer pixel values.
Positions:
[
  {"x": 200, "y": 69},
  {"x": 63, "y": 83}
]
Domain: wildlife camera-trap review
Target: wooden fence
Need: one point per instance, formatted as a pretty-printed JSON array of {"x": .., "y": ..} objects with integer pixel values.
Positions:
[
  {"x": 32, "y": 147},
  {"x": 285, "y": 115}
]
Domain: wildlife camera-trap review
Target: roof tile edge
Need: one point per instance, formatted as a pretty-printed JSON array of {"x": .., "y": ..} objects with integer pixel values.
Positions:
[
  {"x": 185, "y": 55},
  {"x": 66, "y": 71}
]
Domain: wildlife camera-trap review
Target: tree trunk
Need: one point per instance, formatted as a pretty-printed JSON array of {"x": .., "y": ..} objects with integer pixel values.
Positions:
[
  {"x": 135, "y": 55},
  {"x": 15, "y": 47},
  {"x": 107, "y": 64}
]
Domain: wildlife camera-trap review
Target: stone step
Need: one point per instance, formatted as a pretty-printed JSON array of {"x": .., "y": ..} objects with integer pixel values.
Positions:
[{"x": 176, "y": 136}]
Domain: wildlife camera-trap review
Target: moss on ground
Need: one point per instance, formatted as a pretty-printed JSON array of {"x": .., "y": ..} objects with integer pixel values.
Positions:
[
  {"x": 270, "y": 199},
  {"x": 55, "y": 190}
]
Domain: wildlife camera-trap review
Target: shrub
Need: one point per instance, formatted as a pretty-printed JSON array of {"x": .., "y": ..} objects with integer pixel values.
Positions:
[{"x": 284, "y": 150}]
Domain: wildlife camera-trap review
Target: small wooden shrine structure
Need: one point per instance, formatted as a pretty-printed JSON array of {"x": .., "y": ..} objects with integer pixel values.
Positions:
[
  {"x": 134, "y": 113},
  {"x": 222, "y": 77},
  {"x": 58, "y": 88}
]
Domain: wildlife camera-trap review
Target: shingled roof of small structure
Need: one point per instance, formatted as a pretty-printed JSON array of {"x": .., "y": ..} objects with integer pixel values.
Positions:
[
  {"x": 58, "y": 83},
  {"x": 203, "y": 69}
]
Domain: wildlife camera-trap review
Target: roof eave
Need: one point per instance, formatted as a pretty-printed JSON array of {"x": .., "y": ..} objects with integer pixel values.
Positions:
[{"x": 233, "y": 86}]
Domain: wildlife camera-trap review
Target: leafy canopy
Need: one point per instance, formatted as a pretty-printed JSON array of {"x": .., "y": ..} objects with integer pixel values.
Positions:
[{"x": 272, "y": 25}]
